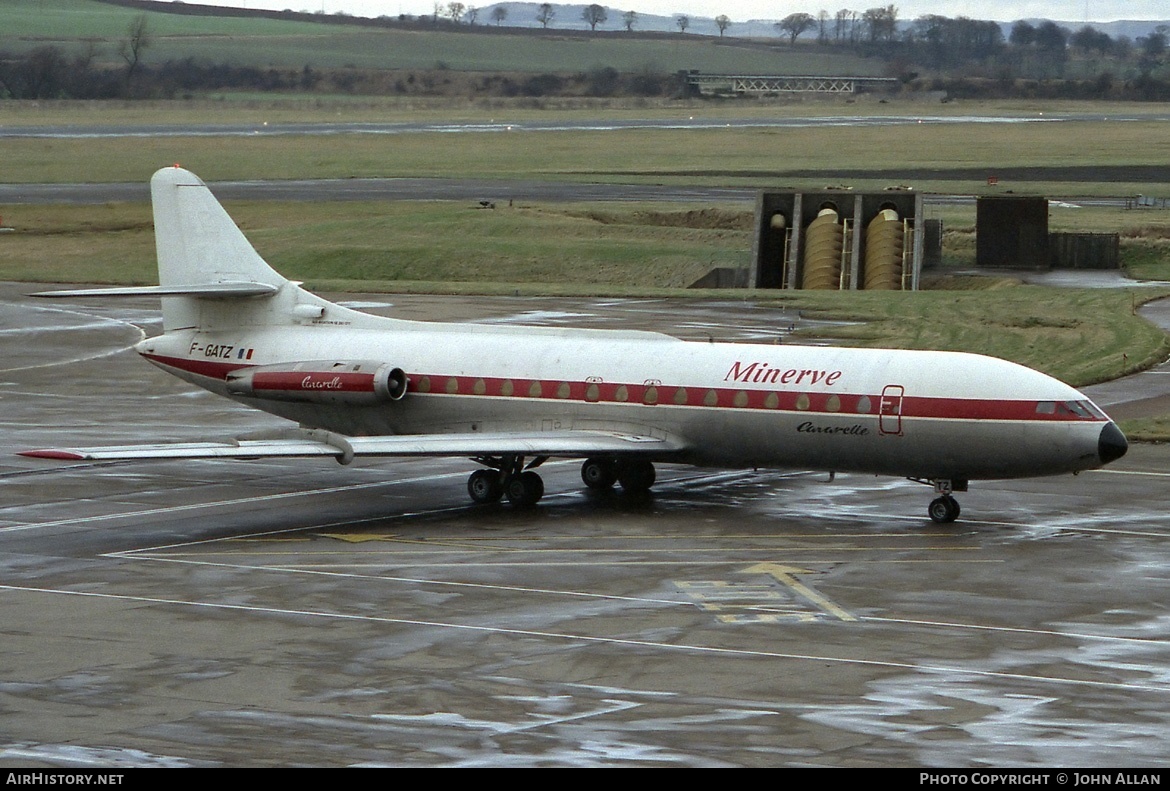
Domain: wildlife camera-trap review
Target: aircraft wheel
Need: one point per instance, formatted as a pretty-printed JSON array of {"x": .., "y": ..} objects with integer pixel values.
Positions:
[
  {"x": 484, "y": 486},
  {"x": 636, "y": 476},
  {"x": 524, "y": 489},
  {"x": 944, "y": 509},
  {"x": 599, "y": 473}
]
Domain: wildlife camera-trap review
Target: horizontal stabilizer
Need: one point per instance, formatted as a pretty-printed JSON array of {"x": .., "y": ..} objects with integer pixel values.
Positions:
[
  {"x": 208, "y": 290},
  {"x": 322, "y": 443}
]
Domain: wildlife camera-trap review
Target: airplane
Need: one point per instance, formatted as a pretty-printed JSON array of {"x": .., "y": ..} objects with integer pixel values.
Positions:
[{"x": 510, "y": 398}]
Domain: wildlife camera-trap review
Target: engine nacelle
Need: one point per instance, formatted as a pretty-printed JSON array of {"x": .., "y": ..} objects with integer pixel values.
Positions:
[{"x": 321, "y": 382}]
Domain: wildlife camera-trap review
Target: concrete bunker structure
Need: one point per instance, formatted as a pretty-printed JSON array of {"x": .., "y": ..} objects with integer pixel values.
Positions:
[{"x": 838, "y": 240}]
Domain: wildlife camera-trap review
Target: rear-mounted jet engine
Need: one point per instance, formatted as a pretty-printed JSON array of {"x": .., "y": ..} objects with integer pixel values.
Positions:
[{"x": 321, "y": 382}]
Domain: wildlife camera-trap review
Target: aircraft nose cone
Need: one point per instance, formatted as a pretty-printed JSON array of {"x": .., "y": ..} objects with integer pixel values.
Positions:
[{"x": 1112, "y": 445}]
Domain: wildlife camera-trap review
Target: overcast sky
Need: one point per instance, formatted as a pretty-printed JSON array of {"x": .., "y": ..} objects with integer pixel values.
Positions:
[{"x": 742, "y": 10}]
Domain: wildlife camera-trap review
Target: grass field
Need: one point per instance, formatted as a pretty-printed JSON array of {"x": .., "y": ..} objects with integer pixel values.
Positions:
[
  {"x": 1078, "y": 335},
  {"x": 361, "y": 246},
  {"x": 72, "y": 24}
]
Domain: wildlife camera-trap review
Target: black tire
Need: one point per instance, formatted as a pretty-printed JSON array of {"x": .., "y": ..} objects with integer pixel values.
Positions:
[
  {"x": 636, "y": 476},
  {"x": 525, "y": 489},
  {"x": 599, "y": 474},
  {"x": 944, "y": 510},
  {"x": 484, "y": 486}
]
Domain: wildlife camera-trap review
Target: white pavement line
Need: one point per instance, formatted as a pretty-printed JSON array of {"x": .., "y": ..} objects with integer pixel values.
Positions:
[
  {"x": 80, "y": 521},
  {"x": 742, "y": 653}
]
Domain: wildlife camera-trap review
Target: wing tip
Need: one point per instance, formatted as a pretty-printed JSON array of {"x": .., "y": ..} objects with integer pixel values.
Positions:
[{"x": 49, "y": 453}]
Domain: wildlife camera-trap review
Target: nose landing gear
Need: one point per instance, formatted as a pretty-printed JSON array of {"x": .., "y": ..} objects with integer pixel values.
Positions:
[{"x": 944, "y": 509}]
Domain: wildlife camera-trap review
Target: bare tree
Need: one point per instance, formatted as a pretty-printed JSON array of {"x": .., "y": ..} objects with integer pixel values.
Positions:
[
  {"x": 499, "y": 14},
  {"x": 795, "y": 24},
  {"x": 882, "y": 23},
  {"x": 472, "y": 15},
  {"x": 844, "y": 25},
  {"x": 545, "y": 14},
  {"x": 683, "y": 21},
  {"x": 629, "y": 19},
  {"x": 594, "y": 15},
  {"x": 722, "y": 22},
  {"x": 455, "y": 11},
  {"x": 136, "y": 43}
]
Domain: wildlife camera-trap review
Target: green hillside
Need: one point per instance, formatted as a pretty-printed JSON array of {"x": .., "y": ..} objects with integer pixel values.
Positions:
[{"x": 74, "y": 25}]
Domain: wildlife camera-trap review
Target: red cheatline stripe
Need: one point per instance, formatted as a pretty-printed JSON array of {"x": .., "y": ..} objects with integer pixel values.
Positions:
[
  {"x": 212, "y": 368},
  {"x": 617, "y": 393}
]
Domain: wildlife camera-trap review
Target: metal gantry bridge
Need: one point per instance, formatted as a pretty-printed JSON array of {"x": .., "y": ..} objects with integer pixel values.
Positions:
[{"x": 763, "y": 84}]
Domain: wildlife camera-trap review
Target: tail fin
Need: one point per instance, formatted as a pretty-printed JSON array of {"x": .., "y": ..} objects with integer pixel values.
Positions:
[
  {"x": 210, "y": 277},
  {"x": 204, "y": 259},
  {"x": 197, "y": 243}
]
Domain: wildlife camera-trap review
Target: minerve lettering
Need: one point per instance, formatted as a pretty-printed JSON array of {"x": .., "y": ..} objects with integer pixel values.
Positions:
[{"x": 762, "y": 373}]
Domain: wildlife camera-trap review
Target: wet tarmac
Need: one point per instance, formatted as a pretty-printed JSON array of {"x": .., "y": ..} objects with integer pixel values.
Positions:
[{"x": 303, "y": 613}]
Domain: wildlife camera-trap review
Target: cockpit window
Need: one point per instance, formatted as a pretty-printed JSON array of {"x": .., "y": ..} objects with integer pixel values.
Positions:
[
  {"x": 1095, "y": 410},
  {"x": 1080, "y": 410}
]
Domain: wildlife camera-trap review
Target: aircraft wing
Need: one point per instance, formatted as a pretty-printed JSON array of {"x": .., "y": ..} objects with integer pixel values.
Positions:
[
  {"x": 217, "y": 290},
  {"x": 323, "y": 443}
]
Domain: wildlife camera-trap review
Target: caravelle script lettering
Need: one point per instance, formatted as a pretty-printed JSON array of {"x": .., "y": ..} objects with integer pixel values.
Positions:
[
  {"x": 308, "y": 383},
  {"x": 762, "y": 373},
  {"x": 856, "y": 429}
]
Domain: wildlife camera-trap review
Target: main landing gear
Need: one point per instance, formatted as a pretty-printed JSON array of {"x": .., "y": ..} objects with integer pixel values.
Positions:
[
  {"x": 510, "y": 477},
  {"x": 507, "y": 477},
  {"x": 944, "y": 509},
  {"x": 636, "y": 476}
]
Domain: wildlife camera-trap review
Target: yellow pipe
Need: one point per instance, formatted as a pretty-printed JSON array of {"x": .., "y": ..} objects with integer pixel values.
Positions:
[
  {"x": 823, "y": 241},
  {"x": 884, "y": 241}
]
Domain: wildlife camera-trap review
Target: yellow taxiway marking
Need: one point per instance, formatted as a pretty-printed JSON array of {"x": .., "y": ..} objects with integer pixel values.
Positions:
[
  {"x": 441, "y": 564},
  {"x": 786, "y": 575},
  {"x": 455, "y": 548}
]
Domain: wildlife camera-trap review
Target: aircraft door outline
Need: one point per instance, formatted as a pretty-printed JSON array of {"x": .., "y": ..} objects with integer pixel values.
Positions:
[{"x": 890, "y": 410}]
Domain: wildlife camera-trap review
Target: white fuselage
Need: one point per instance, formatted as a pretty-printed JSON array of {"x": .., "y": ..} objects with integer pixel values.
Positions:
[{"x": 909, "y": 413}]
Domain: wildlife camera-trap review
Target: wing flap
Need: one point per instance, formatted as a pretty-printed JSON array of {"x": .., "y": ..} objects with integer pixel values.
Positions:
[
  {"x": 211, "y": 290},
  {"x": 536, "y": 443},
  {"x": 247, "y": 449},
  {"x": 323, "y": 443}
]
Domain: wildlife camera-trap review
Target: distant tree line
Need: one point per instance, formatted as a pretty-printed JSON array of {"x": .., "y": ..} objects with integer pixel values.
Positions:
[
  {"x": 979, "y": 48},
  {"x": 965, "y": 57},
  {"x": 47, "y": 73}
]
